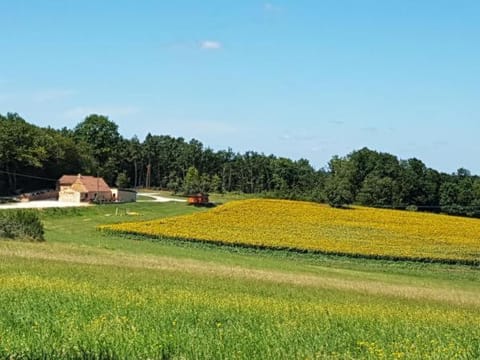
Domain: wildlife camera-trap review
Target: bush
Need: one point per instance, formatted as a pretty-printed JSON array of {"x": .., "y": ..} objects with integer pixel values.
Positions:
[{"x": 21, "y": 225}]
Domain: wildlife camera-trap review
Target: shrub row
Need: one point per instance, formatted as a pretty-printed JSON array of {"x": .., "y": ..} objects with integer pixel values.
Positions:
[{"x": 21, "y": 225}]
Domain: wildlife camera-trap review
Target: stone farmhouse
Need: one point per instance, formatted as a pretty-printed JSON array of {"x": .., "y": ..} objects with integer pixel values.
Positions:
[{"x": 81, "y": 188}]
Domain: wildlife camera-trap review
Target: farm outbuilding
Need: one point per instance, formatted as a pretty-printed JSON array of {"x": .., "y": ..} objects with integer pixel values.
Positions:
[
  {"x": 124, "y": 195},
  {"x": 198, "y": 199},
  {"x": 39, "y": 195}
]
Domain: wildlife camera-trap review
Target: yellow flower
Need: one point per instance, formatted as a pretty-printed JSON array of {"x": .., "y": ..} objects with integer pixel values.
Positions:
[{"x": 315, "y": 227}]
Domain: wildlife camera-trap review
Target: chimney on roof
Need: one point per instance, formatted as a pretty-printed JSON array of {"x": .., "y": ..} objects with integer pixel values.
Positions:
[{"x": 79, "y": 176}]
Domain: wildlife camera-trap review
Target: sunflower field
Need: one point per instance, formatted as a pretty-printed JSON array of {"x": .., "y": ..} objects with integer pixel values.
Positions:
[{"x": 304, "y": 226}]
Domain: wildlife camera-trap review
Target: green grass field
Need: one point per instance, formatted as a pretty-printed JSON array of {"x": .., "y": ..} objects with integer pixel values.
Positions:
[{"x": 82, "y": 294}]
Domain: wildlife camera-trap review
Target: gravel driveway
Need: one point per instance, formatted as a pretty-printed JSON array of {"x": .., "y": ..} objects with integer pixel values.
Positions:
[{"x": 40, "y": 204}]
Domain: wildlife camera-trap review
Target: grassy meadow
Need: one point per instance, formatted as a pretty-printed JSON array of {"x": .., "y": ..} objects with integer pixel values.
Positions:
[{"x": 86, "y": 294}]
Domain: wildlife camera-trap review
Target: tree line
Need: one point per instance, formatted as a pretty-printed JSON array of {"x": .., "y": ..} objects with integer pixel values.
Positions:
[{"x": 33, "y": 157}]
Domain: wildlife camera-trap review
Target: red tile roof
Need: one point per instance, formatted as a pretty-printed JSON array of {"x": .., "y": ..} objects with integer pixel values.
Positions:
[
  {"x": 88, "y": 183},
  {"x": 91, "y": 184},
  {"x": 67, "y": 179}
]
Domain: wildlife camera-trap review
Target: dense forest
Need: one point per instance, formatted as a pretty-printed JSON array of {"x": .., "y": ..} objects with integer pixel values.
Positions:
[{"x": 33, "y": 157}]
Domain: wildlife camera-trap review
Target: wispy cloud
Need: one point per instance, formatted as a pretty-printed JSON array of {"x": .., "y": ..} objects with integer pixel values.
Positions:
[
  {"x": 111, "y": 111},
  {"x": 337, "y": 122},
  {"x": 201, "y": 127},
  {"x": 298, "y": 137},
  {"x": 210, "y": 45},
  {"x": 370, "y": 129},
  {"x": 37, "y": 97},
  {"x": 50, "y": 95},
  {"x": 437, "y": 143},
  {"x": 5, "y": 97},
  {"x": 317, "y": 149},
  {"x": 271, "y": 8}
]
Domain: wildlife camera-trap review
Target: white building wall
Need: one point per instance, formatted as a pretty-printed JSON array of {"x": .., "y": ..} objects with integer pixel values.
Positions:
[
  {"x": 69, "y": 196},
  {"x": 124, "y": 195}
]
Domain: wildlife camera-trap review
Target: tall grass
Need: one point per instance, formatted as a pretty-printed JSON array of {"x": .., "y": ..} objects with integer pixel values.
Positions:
[
  {"x": 58, "y": 310},
  {"x": 83, "y": 295}
]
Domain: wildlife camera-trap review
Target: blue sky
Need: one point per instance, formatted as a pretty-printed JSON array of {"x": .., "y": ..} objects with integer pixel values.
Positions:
[{"x": 301, "y": 79}]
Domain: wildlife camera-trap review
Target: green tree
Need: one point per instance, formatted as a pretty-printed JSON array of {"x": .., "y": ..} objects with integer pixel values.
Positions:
[
  {"x": 476, "y": 191},
  {"x": 192, "y": 183},
  {"x": 339, "y": 186},
  {"x": 122, "y": 180},
  {"x": 377, "y": 191},
  {"x": 205, "y": 183},
  {"x": 449, "y": 195},
  {"x": 216, "y": 184},
  {"x": 21, "y": 147},
  {"x": 104, "y": 141}
]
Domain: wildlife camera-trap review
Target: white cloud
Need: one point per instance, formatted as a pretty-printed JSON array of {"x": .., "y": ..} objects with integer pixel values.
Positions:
[{"x": 210, "y": 45}]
